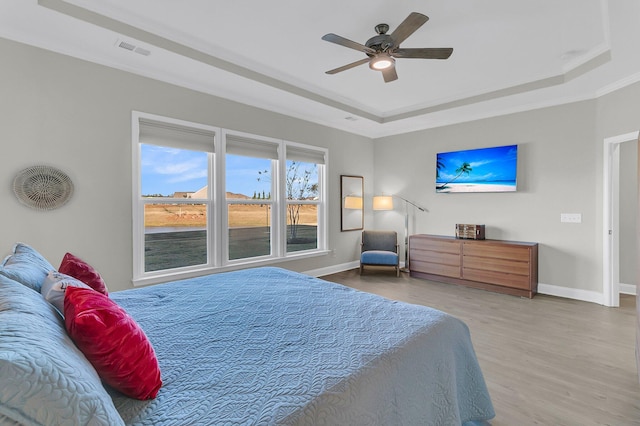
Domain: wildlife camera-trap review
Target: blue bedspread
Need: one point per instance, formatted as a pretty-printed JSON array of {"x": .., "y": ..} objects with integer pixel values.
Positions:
[{"x": 268, "y": 346}]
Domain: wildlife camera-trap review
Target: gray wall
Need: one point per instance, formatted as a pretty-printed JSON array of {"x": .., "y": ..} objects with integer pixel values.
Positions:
[
  {"x": 76, "y": 116},
  {"x": 560, "y": 171}
]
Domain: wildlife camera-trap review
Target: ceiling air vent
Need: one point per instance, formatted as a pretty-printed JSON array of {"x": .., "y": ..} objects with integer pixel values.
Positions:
[
  {"x": 142, "y": 51},
  {"x": 126, "y": 45},
  {"x": 133, "y": 48}
]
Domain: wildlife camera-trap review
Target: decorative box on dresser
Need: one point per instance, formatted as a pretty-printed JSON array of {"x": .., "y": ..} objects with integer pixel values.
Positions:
[{"x": 509, "y": 267}]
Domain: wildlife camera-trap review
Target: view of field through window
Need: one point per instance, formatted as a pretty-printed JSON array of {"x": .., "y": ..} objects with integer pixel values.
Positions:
[{"x": 176, "y": 233}]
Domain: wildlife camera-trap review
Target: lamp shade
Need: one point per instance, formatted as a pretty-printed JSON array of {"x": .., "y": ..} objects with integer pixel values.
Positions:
[
  {"x": 383, "y": 202},
  {"x": 352, "y": 202}
]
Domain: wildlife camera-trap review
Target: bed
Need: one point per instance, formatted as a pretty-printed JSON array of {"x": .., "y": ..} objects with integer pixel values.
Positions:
[{"x": 265, "y": 346}]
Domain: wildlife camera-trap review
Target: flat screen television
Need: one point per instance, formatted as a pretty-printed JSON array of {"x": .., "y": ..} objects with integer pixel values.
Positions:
[{"x": 478, "y": 170}]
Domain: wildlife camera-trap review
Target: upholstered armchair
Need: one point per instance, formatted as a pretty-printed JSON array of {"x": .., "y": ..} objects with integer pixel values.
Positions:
[{"x": 380, "y": 248}]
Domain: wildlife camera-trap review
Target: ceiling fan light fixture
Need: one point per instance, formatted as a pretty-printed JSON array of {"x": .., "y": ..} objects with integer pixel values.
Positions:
[
  {"x": 383, "y": 49},
  {"x": 381, "y": 62}
]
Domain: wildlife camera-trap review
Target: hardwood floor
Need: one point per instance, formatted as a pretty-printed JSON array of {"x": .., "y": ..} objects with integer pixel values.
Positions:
[{"x": 546, "y": 360}]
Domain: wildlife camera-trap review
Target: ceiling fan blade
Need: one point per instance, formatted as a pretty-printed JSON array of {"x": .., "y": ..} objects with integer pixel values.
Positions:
[
  {"x": 348, "y": 66},
  {"x": 334, "y": 38},
  {"x": 424, "y": 53},
  {"x": 414, "y": 21},
  {"x": 389, "y": 74}
]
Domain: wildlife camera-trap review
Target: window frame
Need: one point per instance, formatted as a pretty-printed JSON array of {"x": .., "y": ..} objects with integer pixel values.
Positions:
[
  {"x": 321, "y": 202},
  {"x": 217, "y": 206},
  {"x": 275, "y": 211}
]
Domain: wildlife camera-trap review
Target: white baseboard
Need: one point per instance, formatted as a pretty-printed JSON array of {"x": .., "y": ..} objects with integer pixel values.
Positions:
[
  {"x": 571, "y": 293},
  {"x": 627, "y": 288},
  {"x": 334, "y": 269}
]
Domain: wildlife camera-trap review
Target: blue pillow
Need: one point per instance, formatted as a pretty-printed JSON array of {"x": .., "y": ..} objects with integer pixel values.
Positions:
[
  {"x": 45, "y": 378},
  {"x": 26, "y": 266}
]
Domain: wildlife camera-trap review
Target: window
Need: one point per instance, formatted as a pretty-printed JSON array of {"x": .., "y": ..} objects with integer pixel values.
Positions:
[
  {"x": 249, "y": 171},
  {"x": 174, "y": 171},
  {"x": 302, "y": 178},
  {"x": 207, "y": 198}
]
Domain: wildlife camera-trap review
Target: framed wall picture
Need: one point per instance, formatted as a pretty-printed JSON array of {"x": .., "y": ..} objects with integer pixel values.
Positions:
[{"x": 351, "y": 203}]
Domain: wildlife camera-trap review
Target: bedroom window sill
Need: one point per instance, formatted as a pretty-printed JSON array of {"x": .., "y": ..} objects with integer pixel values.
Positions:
[{"x": 192, "y": 273}]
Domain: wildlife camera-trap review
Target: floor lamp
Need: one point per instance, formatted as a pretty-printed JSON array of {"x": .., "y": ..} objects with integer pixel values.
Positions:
[{"x": 385, "y": 202}]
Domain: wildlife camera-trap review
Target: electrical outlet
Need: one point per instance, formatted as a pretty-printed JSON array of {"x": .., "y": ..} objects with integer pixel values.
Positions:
[{"x": 571, "y": 217}]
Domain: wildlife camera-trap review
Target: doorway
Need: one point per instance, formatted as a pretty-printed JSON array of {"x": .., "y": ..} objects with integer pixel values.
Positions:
[{"x": 611, "y": 217}]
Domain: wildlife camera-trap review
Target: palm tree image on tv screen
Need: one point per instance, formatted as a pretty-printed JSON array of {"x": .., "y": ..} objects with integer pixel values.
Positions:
[{"x": 477, "y": 170}]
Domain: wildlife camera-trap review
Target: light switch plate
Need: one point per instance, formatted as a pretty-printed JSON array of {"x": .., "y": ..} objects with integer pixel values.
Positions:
[{"x": 571, "y": 217}]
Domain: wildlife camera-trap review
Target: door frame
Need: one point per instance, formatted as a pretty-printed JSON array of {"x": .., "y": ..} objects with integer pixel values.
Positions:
[{"x": 611, "y": 218}]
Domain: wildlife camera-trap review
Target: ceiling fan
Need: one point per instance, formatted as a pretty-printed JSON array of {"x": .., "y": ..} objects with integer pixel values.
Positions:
[{"x": 383, "y": 48}]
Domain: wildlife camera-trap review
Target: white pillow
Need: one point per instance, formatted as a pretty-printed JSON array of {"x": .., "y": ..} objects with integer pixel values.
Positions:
[{"x": 53, "y": 288}]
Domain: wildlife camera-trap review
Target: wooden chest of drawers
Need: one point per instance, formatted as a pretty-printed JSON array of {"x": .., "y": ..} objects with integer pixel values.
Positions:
[{"x": 504, "y": 266}]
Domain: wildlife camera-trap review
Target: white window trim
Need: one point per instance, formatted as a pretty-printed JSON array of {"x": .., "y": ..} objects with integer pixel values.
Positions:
[
  {"x": 224, "y": 217},
  {"x": 217, "y": 232},
  {"x": 323, "y": 218}
]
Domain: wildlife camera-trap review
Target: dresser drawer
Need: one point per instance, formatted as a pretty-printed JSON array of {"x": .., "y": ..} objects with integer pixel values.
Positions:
[
  {"x": 452, "y": 259},
  {"x": 444, "y": 246},
  {"x": 498, "y": 251},
  {"x": 435, "y": 268},
  {"x": 498, "y": 278},
  {"x": 497, "y": 265}
]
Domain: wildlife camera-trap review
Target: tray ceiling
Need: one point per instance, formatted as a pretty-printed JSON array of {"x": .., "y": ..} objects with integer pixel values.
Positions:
[{"x": 508, "y": 56}]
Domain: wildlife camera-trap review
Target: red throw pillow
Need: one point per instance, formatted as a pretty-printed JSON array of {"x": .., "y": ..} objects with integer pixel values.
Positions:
[
  {"x": 81, "y": 270},
  {"x": 113, "y": 342}
]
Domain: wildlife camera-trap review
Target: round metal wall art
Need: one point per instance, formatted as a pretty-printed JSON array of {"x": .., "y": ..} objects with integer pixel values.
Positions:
[{"x": 42, "y": 187}]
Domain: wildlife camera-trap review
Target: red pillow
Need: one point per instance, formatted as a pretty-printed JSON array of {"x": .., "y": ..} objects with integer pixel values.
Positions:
[
  {"x": 81, "y": 270},
  {"x": 113, "y": 342}
]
